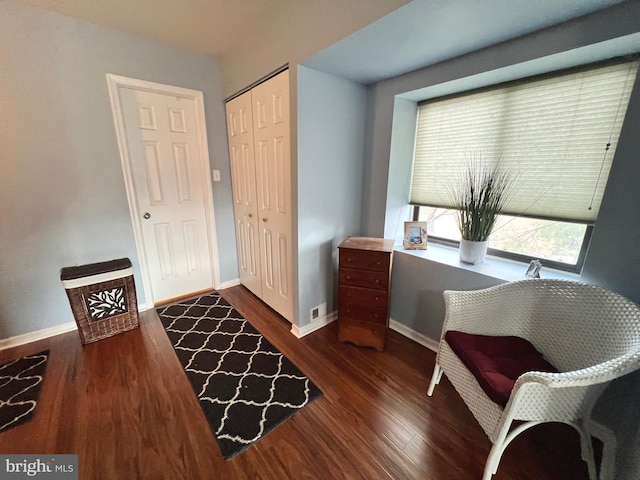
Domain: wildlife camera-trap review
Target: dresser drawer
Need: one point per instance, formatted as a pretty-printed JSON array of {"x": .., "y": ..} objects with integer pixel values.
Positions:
[
  {"x": 362, "y": 313},
  {"x": 364, "y": 260},
  {"x": 364, "y": 278},
  {"x": 363, "y": 334},
  {"x": 362, "y": 296}
]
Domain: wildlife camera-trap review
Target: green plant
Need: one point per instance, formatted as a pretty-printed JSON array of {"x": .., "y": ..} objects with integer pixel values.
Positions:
[{"x": 479, "y": 195}]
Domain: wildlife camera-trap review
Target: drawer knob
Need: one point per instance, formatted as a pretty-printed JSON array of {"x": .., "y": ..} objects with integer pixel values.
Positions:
[
  {"x": 376, "y": 298},
  {"x": 377, "y": 281},
  {"x": 348, "y": 259},
  {"x": 348, "y": 277}
]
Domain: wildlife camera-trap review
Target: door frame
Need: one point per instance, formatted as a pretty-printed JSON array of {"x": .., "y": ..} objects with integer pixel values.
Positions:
[{"x": 115, "y": 82}]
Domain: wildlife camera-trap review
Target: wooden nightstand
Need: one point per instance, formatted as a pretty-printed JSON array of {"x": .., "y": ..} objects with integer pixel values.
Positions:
[{"x": 363, "y": 290}]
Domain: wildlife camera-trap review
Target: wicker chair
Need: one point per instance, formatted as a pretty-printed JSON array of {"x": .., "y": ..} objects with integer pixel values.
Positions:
[{"x": 591, "y": 335}]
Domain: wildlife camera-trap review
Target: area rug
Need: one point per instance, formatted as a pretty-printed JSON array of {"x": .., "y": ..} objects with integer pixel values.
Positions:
[
  {"x": 246, "y": 387},
  {"x": 20, "y": 383}
]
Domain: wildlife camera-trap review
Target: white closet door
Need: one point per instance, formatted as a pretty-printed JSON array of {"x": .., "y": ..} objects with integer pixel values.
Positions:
[
  {"x": 243, "y": 178},
  {"x": 272, "y": 133}
]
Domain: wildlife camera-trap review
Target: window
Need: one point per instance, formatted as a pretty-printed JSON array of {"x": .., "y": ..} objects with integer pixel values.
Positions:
[
  {"x": 561, "y": 245},
  {"x": 557, "y": 133}
]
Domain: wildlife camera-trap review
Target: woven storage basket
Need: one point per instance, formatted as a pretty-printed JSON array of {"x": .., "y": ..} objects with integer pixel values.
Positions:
[{"x": 102, "y": 297}]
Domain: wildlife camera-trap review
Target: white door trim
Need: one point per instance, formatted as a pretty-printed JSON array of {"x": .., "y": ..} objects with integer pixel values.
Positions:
[{"x": 114, "y": 82}]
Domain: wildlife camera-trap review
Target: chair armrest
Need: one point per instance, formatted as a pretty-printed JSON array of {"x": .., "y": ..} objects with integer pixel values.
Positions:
[
  {"x": 551, "y": 397},
  {"x": 603, "y": 372}
]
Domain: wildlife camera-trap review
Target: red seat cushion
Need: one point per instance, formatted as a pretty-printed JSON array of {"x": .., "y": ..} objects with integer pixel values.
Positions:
[{"x": 497, "y": 362}]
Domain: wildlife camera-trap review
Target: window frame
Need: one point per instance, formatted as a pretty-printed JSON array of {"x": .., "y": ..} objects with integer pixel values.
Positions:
[{"x": 518, "y": 257}]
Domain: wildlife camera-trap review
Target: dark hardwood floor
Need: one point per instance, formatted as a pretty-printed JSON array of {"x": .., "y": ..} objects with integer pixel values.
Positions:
[{"x": 125, "y": 406}]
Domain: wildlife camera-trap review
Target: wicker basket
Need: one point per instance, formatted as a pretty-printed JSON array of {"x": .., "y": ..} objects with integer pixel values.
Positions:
[{"x": 102, "y": 297}]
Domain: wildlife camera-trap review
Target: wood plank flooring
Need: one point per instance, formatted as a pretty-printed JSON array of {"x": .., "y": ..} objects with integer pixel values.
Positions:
[{"x": 125, "y": 406}]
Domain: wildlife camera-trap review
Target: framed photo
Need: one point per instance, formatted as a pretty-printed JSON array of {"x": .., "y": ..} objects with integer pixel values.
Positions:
[{"x": 415, "y": 236}]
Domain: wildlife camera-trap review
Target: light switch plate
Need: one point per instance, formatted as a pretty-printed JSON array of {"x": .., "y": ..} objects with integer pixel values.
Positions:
[{"x": 216, "y": 175}]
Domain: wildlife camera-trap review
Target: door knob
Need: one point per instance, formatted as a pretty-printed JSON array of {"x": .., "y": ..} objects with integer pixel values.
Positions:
[
  {"x": 264, "y": 219},
  {"x": 146, "y": 215}
]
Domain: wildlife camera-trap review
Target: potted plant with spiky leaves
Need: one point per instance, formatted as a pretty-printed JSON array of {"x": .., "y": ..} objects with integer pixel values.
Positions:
[{"x": 479, "y": 195}]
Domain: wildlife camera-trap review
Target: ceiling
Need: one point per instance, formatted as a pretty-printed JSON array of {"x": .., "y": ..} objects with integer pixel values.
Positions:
[
  {"x": 426, "y": 32},
  {"x": 204, "y": 26},
  {"x": 420, "y": 33}
]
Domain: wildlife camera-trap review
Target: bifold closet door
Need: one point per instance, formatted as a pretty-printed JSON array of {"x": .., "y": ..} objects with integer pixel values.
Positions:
[
  {"x": 259, "y": 146},
  {"x": 243, "y": 179},
  {"x": 272, "y": 136}
]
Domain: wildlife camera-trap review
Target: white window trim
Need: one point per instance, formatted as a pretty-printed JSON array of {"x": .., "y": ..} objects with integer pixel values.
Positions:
[{"x": 493, "y": 267}]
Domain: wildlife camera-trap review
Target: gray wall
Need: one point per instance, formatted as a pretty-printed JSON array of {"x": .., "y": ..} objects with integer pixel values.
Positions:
[
  {"x": 331, "y": 114},
  {"x": 419, "y": 284},
  {"x": 613, "y": 257},
  {"x": 62, "y": 194},
  {"x": 614, "y": 261}
]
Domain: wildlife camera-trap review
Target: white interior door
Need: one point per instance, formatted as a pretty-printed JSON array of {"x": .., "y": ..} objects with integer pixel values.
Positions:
[
  {"x": 164, "y": 160},
  {"x": 243, "y": 177},
  {"x": 271, "y": 132}
]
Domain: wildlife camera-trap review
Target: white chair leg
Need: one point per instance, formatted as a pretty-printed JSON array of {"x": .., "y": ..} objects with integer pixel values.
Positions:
[
  {"x": 435, "y": 379},
  {"x": 493, "y": 460},
  {"x": 608, "y": 439},
  {"x": 591, "y": 461},
  {"x": 586, "y": 447},
  {"x": 503, "y": 441}
]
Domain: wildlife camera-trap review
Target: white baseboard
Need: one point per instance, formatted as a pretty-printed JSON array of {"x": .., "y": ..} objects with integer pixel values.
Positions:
[
  {"x": 37, "y": 335},
  {"x": 29, "y": 337},
  {"x": 418, "y": 337},
  {"x": 393, "y": 325},
  {"x": 315, "y": 325},
  {"x": 228, "y": 284}
]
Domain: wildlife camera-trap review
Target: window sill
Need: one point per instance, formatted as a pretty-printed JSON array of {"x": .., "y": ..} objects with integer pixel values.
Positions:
[{"x": 494, "y": 267}]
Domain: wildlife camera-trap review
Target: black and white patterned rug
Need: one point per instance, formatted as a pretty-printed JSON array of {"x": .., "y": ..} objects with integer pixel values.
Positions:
[
  {"x": 246, "y": 387},
  {"x": 20, "y": 382}
]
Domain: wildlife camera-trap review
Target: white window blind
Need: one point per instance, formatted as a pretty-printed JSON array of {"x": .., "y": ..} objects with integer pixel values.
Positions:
[{"x": 551, "y": 132}]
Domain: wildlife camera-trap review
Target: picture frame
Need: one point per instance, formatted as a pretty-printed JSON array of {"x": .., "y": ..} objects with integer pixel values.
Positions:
[{"x": 415, "y": 236}]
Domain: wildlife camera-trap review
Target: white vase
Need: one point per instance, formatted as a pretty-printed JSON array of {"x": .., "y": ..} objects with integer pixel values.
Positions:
[{"x": 473, "y": 252}]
